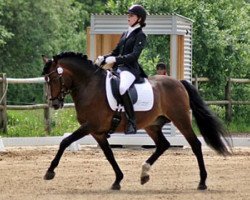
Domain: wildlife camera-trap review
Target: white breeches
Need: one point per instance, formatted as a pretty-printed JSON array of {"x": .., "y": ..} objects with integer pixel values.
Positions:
[{"x": 126, "y": 80}]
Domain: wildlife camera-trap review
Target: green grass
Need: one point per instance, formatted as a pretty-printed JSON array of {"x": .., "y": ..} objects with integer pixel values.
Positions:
[
  {"x": 235, "y": 127},
  {"x": 30, "y": 123},
  {"x": 239, "y": 126}
]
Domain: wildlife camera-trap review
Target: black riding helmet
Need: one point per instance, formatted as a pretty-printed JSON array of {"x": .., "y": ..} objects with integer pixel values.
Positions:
[{"x": 140, "y": 12}]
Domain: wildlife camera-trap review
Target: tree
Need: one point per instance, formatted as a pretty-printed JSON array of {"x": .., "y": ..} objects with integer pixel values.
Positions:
[
  {"x": 220, "y": 34},
  {"x": 4, "y": 33},
  {"x": 91, "y": 7},
  {"x": 221, "y": 41},
  {"x": 38, "y": 27}
]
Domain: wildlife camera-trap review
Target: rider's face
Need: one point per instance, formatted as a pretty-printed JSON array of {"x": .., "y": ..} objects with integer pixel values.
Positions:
[{"x": 132, "y": 19}]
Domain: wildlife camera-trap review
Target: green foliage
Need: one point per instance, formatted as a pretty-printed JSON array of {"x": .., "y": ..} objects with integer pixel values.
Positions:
[
  {"x": 25, "y": 123},
  {"x": 157, "y": 50},
  {"x": 31, "y": 28},
  {"x": 149, "y": 64},
  {"x": 221, "y": 41},
  {"x": 31, "y": 123},
  {"x": 239, "y": 124},
  {"x": 4, "y": 33},
  {"x": 220, "y": 34},
  {"x": 118, "y": 7},
  {"x": 38, "y": 27},
  {"x": 241, "y": 92},
  {"x": 25, "y": 94},
  {"x": 221, "y": 37},
  {"x": 91, "y": 7},
  {"x": 63, "y": 121}
]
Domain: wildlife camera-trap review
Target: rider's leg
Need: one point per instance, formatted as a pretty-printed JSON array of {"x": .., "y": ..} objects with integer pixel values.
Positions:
[{"x": 126, "y": 80}]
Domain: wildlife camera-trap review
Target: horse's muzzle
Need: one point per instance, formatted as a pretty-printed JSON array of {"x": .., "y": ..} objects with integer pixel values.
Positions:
[{"x": 56, "y": 104}]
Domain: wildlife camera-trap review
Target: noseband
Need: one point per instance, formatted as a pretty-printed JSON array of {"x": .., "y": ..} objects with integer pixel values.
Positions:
[{"x": 63, "y": 89}]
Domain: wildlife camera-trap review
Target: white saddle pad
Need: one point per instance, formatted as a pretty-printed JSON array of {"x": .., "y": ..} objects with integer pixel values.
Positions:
[{"x": 145, "y": 99}]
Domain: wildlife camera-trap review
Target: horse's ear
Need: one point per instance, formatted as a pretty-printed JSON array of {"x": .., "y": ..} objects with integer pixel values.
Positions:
[
  {"x": 85, "y": 57},
  {"x": 45, "y": 59}
]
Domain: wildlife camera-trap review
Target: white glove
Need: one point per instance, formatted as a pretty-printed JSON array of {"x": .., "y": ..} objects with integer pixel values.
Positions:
[
  {"x": 99, "y": 60},
  {"x": 110, "y": 60}
]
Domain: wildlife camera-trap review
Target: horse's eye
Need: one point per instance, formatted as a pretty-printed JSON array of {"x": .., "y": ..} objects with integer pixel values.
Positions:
[{"x": 46, "y": 79}]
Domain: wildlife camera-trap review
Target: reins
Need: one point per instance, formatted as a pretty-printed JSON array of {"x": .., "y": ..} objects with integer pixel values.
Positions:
[{"x": 99, "y": 68}]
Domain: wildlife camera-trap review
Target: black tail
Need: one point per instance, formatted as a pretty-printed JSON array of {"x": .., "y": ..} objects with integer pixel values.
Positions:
[{"x": 210, "y": 126}]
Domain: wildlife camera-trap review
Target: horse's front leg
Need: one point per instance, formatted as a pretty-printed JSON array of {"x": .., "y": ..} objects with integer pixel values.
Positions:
[
  {"x": 104, "y": 144},
  {"x": 76, "y": 135}
]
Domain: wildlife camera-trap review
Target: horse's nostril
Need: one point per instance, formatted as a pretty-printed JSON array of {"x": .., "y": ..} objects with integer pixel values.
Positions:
[
  {"x": 56, "y": 104},
  {"x": 56, "y": 107}
]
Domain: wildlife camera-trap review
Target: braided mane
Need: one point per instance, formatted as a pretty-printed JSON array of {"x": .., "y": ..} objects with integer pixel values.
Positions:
[
  {"x": 70, "y": 54},
  {"x": 79, "y": 57}
]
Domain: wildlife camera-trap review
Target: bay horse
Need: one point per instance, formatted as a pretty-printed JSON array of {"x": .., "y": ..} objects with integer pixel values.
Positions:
[{"x": 73, "y": 73}]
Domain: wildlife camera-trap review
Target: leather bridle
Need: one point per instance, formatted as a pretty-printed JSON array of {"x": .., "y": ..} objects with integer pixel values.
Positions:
[{"x": 63, "y": 89}]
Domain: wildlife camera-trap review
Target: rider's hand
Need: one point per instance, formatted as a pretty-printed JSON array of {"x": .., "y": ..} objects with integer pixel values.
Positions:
[
  {"x": 110, "y": 60},
  {"x": 99, "y": 60}
]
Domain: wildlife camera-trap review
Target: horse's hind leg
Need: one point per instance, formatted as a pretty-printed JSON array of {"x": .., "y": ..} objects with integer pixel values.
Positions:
[
  {"x": 76, "y": 135},
  {"x": 162, "y": 145},
  {"x": 104, "y": 144},
  {"x": 184, "y": 126},
  {"x": 196, "y": 148}
]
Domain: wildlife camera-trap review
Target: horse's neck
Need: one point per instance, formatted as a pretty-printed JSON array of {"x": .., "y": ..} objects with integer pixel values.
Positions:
[
  {"x": 89, "y": 95},
  {"x": 91, "y": 78},
  {"x": 88, "y": 87}
]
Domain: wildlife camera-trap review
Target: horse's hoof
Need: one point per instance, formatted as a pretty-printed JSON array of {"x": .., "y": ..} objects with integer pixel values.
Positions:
[
  {"x": 202, "y": 187},
  {"x": 49, "y": 175},
  {"x": 144, "y": 179},
  {"x": 116, "y": 187}
]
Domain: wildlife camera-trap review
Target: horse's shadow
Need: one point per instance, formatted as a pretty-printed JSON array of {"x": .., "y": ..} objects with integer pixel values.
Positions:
[{"x": 141, "y": 192}]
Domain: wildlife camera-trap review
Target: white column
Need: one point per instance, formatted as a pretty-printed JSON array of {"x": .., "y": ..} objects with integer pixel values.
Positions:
[
  {"x": 173, "y": 68},
  {"x": 173, "y": 55}
]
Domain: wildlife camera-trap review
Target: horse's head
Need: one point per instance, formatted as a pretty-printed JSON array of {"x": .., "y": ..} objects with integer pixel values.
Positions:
[
  {"x": 54, "y": 75},
  {"x": 68, "y": 70}
]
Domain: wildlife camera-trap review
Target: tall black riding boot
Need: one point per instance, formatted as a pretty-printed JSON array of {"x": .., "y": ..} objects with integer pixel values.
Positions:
[{"x": 129, "y": 109}]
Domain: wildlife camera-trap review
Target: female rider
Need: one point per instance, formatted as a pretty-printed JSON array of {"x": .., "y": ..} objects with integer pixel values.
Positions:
[{"x": 125, "y": 59}]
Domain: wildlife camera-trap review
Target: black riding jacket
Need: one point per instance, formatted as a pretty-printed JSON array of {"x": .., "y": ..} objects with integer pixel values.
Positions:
[{"x": 128, "y": 50}]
